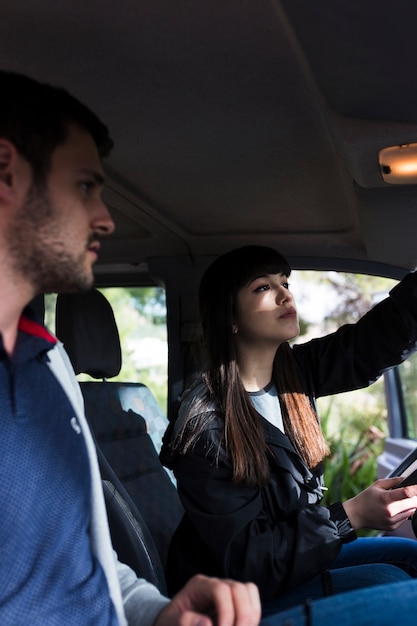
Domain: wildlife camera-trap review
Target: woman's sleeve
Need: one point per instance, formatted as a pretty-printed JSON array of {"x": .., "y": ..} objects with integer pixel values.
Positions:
[
  {"x": 357, "y": 354},
  {"x": 239, "y": 533}
]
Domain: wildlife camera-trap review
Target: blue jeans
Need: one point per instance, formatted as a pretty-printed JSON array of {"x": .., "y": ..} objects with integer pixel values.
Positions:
[
  {"x": 395, "y": 605},
  {"x": 392, "y": 550},
  {"x": 365, "y": 562}
]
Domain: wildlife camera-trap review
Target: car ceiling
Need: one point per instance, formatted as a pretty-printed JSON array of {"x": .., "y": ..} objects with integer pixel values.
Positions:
[{"x": 239, "y": 121}]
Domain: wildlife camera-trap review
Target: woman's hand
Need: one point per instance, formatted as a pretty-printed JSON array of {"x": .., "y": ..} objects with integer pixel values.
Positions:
[
  {"x": 205, "y": 601},
  {"x": 381, "y": 506}
]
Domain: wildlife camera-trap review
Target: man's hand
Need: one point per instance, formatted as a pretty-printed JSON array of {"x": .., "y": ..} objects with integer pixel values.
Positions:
[{"x": 205, "y": 601}]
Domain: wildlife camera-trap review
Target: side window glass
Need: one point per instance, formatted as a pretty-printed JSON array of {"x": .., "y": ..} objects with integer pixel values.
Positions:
[{"x": 355, "y": 423}]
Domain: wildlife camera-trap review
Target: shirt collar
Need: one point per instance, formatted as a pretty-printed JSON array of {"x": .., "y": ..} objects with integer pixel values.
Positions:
[
  {"x": 29, "y": 324},
  {"x": 33, "y": 339}
]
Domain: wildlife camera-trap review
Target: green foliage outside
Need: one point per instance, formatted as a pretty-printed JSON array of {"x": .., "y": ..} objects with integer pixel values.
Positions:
[
  {"x": 355, "y": 428},
  {"x": 149, "y": 302},
  {"x": 141, "y": 319},
  {"x": 354, "y": 423}
]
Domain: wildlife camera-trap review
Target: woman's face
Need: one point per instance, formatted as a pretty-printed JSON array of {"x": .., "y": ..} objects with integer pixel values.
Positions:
[{"x": 265, "y": 311}]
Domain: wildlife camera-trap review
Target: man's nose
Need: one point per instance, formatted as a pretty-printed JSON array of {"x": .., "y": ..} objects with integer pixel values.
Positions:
[{"x": 103, "y": 222}]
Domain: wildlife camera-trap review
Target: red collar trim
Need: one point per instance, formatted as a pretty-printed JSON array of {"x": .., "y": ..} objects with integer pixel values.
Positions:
[{"x": 33, "y": 328}]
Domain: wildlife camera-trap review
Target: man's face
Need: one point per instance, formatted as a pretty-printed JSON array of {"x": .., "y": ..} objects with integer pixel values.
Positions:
[{"x": 53, "y": 238}]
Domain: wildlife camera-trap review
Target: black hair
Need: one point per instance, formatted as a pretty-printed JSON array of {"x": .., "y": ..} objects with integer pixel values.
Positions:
[
  {"x": 244, "y": 434},
  {"x": 35, "y": 117},
  {"x": 218, "y": 289}
]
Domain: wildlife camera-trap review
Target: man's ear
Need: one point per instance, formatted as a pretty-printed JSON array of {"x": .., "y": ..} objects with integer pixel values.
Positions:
[{"x": 8, "y": 164}]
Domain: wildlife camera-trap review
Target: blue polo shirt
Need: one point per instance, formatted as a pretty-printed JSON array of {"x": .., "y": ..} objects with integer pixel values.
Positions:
[{"x": 48, "y": 574}]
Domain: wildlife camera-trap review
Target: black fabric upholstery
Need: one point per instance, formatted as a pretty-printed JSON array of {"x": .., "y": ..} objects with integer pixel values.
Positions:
[
  {"x": 130, "y": 536},
  {"x": 123, "y": 439},
  {"x": 119, "y": 414},
  {"x": 86, "y": 326},
  {"x": 38, "y": 306}
]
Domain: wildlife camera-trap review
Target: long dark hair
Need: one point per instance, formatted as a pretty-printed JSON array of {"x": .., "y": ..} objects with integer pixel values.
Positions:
[{"x": 244, "y": 437}]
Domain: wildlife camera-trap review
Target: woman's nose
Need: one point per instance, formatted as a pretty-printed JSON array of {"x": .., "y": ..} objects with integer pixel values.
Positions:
[{"x": 282, "y": 295}]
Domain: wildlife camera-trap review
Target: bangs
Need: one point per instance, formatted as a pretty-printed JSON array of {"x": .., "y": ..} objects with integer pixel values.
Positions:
[
  {"x": 231, "y": 271},
  {"x": 253, "y": 261}
]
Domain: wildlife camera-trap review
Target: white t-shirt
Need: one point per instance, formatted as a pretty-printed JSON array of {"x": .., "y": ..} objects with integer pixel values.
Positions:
[{"x": 266, "y": 402}]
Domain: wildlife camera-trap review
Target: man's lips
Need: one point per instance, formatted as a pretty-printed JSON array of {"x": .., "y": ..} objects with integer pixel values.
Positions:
[{"x": 94, "y": 247}]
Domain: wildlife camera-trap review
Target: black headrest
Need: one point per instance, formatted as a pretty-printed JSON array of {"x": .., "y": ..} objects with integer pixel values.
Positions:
[{"x": 86, "y": 326}]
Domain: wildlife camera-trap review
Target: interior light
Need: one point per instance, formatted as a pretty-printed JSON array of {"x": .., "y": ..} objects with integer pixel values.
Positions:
[{"x": 399, "y": 164}]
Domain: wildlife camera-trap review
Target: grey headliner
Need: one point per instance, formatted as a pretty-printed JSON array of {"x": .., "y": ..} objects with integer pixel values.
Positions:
[{"x": 238, "y": 121}]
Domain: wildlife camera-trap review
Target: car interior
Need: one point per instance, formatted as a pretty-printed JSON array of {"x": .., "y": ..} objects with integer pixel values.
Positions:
[
  {"x": 286, "y": 123},
  {"x": 121, "y": 414}
]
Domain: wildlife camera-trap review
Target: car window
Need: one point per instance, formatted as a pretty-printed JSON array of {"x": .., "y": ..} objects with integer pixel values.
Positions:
[
  {"x": 355, "y": 423},
  {"x": 325, "y": 301}
]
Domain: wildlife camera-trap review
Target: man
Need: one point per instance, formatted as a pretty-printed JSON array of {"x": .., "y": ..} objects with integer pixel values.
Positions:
[{"x": 57, "y": 566}]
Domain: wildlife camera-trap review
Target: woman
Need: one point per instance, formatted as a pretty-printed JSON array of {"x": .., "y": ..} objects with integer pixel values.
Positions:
[{"x": 247, "y": 449}]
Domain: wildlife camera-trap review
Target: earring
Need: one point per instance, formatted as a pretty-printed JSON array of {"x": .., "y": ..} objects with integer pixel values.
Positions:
[{"x": 235, "y": 331}]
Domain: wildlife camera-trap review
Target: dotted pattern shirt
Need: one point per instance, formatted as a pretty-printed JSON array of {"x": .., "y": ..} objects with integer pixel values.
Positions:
[{"x": 48, "y": 573}]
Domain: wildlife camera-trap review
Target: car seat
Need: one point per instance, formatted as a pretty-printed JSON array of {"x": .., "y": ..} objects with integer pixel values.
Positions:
[{"x": 118, "y": 413}]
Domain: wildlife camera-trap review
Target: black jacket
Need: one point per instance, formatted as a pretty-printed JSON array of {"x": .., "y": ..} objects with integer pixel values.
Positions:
[{"x": 280, "y": 536}]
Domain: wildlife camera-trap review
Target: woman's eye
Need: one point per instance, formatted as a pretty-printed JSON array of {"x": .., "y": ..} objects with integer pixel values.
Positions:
[{"x": 262, "y": 288}]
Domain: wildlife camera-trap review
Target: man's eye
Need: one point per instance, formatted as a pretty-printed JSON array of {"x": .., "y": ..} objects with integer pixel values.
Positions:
[
  {"x": 286, "y": 285},
  {"x": 87, "y": 186}
]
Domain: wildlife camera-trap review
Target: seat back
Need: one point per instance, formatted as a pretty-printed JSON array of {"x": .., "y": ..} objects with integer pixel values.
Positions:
[
  {"x": 118, "y": 413},
  {"x": 122, "y": 436},
  {"x": 129, "y": 533}
]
